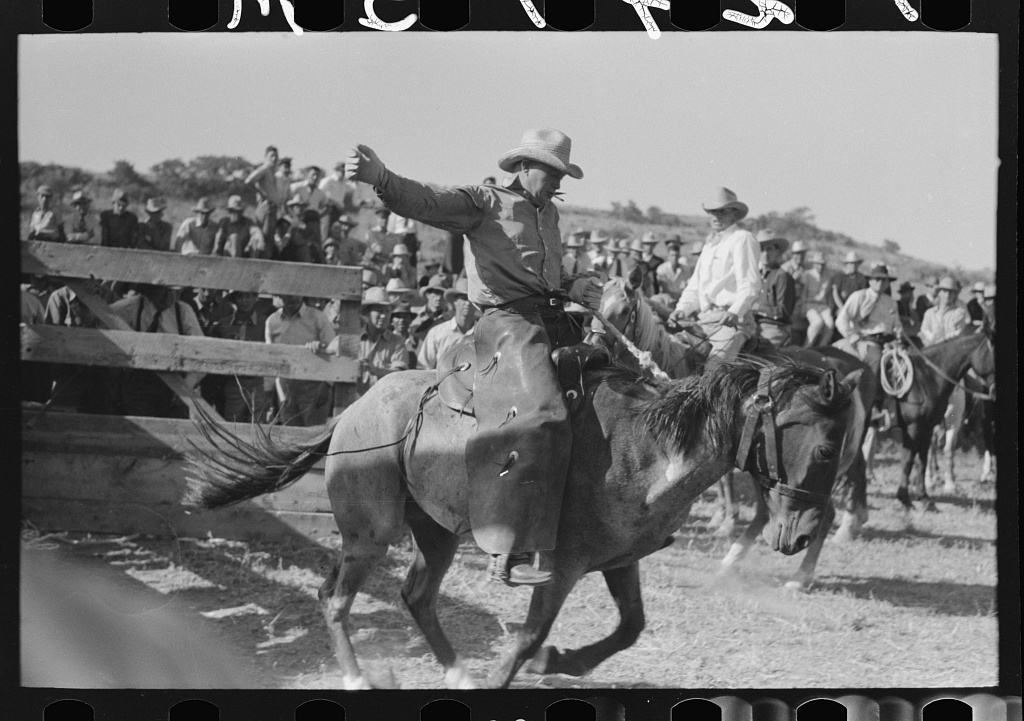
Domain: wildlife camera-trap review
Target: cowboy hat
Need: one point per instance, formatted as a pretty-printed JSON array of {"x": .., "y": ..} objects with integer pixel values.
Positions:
[
  {"x": 370, "y": 276},
  {"x": 80, "y": 197},
  {"x": 375, "y": 296},
  {"x": 725, "y": 198},
  {"x": 852, "y": 257},
  {"x": 636, "y": 244},
  {"x": 598, "y": 237},
  {"x": 461, "y": 288},
  {"x": 580, "y": 230},
  {"x": 547, "y": 146},
  {"x": 438, "y": 283},
  {"x": 649, "y": 238},
  {"x": 396, "y": 285},
  {"x": 619, "y": 246},
  {"x": 990, "y": 290},
  {"x": 799, "y": 246},
  {"x": 117, "y": 195},
  {"x": 767, "y": 237},
  {"x": 399, "y": 249},
  {"x": 815, "y": 256},
  {"x": 202, "y": 206},
  {"x": 575, "y": 241},
  {"x": 949, "y": 283},
  {"x": 906, "y": 286},
  {"x": 155, "y": 205},
  {"x": 931, "y": 281},
  {"x": 346, "y": 219},
  {"x": 235, "y": 203},
  {"x": 978, "y": 287},
  {"x": 880, "y": 270},
  {"x": 674, "y": 239}
]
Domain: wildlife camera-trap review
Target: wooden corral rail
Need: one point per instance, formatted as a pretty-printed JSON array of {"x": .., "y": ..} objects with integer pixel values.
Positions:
[{"x": 124, "y": 474}]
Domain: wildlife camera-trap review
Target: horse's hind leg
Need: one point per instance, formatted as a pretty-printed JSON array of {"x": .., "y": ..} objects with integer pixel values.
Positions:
[
  {"x": 624, "y": 584},
  {"x": 435, "y": 548}
]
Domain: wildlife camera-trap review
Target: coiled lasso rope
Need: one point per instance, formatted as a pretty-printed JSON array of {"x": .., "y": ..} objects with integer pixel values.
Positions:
[{"x": 897, "y": 371}]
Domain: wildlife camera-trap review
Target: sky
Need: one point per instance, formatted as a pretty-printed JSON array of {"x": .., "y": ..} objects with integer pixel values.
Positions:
[{"x": 882, "y": 135}]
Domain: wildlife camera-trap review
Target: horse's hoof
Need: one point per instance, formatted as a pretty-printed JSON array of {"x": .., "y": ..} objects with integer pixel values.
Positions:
[
  {"x": 796, "y": 585},
  {"x": 457, "y": 677},
  {"x": 541, "y": 661},
  {"x": 843, "y": 535},
  {"x": 903, "y": 496}
]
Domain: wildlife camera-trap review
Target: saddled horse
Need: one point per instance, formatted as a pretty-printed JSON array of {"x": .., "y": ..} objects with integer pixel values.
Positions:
[
  {"x": 642, "y": 452},
  {"x": 626, "y": 309},
  {"x": 937, "y": 370}
]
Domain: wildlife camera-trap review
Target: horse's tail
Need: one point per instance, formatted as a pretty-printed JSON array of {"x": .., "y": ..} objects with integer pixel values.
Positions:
[{"x": 233, "y": 469}]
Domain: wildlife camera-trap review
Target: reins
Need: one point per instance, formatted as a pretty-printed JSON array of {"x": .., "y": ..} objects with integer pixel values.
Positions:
[{"x": 942, "y": 374}]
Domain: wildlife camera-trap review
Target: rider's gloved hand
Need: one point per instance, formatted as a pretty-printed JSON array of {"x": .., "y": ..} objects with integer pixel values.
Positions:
[
  {"x": 362, "y": 164},
  {"x": 587, "y": 292}
]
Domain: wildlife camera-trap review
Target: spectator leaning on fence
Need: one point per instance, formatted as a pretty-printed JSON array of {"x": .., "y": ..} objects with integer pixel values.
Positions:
[
  {"x": 302, "y": 402},
  {"x": 444, "y": 335},
  {"x": 118, "y": 225},
  {"x": 347, "y": 250},
  {"x": 197, "y": 234},
  {"x": 238, "y": 236},
  {"x": 46, "y": 222},
  {"x": 81, "y": 225},
  {"x": 380, "y": 351},
  {"x": 155, "y": 233},
  {"x": 434, "y": 310},
  {"x": 243, "y": 398},
  {"x": 301, "y": 244}
]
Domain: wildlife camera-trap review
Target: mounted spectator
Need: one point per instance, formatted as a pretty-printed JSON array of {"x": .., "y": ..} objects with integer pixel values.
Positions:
[
  {"x": 929, "y": 298},
  {"x": 237, "y": 235},
  {"x": 301, "y": 243},
  {"x": 118, "y": 226},
  {"x": 443, "y": 336},
  {"x": 243, "y": 399},
  {"x": 434, "y": 311},
  {"x": 46, "y": 222},
  {"x": 817, "y": 307},
  {"x": 773, "y": 310},
  {"x": 154, "y": 309},
  {"x": 400, "y": 267},
  {"x": 155, "y": 233},
  {"x": 948, "y": 317},
  {"x": 81, "y": 224},
  {"x": 271, "y": 190},
  {"x": 908, "y": 316},
  {"x": 381, "y": 352},
  {"x": 197, "y": 235},
  {"x": 976, "y": 305},
  {"x": 302, "y": 403}
]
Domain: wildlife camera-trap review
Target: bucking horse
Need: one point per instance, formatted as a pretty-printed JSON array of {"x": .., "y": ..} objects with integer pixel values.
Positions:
[{"x": 642, "y": 452}]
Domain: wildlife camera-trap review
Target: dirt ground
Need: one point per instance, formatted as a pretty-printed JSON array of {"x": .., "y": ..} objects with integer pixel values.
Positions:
[{"x": 910, "y": 603}]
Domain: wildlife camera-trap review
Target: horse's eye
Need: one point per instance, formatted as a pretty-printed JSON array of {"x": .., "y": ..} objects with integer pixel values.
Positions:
[{"x": 824, "y": 454}]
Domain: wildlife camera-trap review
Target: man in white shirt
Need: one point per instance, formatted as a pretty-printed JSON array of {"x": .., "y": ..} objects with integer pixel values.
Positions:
[
  {"x": 725, "y": 282},
  {"x": 948, "y": 317}
]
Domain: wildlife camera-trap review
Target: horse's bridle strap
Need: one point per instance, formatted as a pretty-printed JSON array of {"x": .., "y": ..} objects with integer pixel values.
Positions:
[{"x": 760, "y": 409}]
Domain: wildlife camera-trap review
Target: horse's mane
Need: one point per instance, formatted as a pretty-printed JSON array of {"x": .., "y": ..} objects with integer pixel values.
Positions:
[{"x": 700, "y": 411}]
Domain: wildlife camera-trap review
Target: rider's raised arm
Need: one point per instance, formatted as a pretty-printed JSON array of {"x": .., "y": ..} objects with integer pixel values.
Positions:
[{"x": 456, "y": 210}]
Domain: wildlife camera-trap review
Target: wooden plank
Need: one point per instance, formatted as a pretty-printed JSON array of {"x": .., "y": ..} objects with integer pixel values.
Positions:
[
  {"x": 196, "y": 271},
  {"x": 51, "y": 431},
  {"x": 146, "y": 481},
  {"x": 183, "y": 353},
  {"x": 245, "y": 522}
]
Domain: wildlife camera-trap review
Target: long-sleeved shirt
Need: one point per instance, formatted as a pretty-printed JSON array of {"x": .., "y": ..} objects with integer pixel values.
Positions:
[
  {"x": 867, "y": 312},
  {"x": 384, "y": 355},
  {"x": 82, "y": 229},
  {"x": 139, "y": 313},
  {"x": 46, "y": 225},
  {"x": 777, "y": 298},
  {"x": 672, "y": 280},
  {"x": 118, "y": 230},
  {"x": 154, "y": 235},
  {"x": 195, "y": 238},
  {"x": 514, "y": 248},
  {"x": 239, "y": 240},
  {"x": 942, "y": 324},
  {"x": 439, "y": 339},
  {"x": 574, "y": 265},
  {"x": 308, "y": 324},
  {"x": 726, "y": 275}
]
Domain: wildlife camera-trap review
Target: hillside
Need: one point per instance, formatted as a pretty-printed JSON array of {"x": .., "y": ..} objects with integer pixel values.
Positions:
[{"x": 218, "y": 177}]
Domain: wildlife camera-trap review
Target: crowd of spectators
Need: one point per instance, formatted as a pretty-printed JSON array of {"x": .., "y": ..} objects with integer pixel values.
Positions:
[{"x": 412, "y": 310}]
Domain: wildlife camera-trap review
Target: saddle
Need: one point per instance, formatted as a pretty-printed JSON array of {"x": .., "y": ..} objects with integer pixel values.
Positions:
[{"x": 456, "y": 386}]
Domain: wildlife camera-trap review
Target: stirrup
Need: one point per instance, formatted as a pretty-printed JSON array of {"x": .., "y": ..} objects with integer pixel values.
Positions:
[{"x": 516, "y": 569}]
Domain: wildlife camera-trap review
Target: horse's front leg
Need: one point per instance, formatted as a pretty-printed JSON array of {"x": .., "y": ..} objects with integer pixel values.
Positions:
[
  {"x": 804, "y": 577},
  {"x": 741, "y": 546},
  {"x": 624, "y": 584},
  {"x": 544, "y": 607},
  {"x": 729, "y": 509}
]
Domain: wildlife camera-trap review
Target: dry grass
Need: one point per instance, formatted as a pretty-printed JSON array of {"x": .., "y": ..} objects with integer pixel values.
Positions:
[{"x": 909, "y": 604}]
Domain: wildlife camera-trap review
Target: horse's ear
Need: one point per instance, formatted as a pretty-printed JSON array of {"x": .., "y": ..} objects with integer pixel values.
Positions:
[
  {"x": 852, "y": 379},
  {"x": 827, "y": 386}
]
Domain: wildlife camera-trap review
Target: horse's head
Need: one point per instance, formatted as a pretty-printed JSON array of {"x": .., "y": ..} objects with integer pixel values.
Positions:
[
  {"x": 794, "y": 442},
  {"x": 983, "y": 360}
]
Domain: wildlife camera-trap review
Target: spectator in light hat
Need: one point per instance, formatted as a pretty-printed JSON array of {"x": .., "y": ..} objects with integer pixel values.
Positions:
[
  {"x": 238, "y": 236},
  {"x": 818, "y": 299},
  {"x": 196, "y": 235},
  {"x": 796, "y": 268},
  {"x": 381, "y": 352},
  {"x": 118, "y": 225},
  {"x": 301, "y": 244},
  {"x": 975, "y": 306},
  {"x": 398, "y": 291},
  {"x": 81, "y": 224},
  {"x": 575, "y": 260},
  {"x": 850, "y": 280},
  {"x": 434, "y": 310},
  {"x": 444, "y": 335},
  {"x": 598, "y": 252},
  {"x": 316, "y": 200},
  {"x": 399, "y": 267},
  {"x": 46, "y": 222},
  {"x": 155, "y": 233},
  {"x": 773, "y": 310},
  {"x": 948, "y": 317},
  {"x": 725, "y": 283}
]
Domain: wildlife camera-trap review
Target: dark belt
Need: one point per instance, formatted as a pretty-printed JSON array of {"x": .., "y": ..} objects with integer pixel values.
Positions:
[{"x": 532, "y": 304}]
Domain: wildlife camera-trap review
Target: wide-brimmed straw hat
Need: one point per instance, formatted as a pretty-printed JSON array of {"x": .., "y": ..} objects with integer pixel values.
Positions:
[
  {"x": 674, "y": 239},
  {"x": 649, "y": 238},
  {"x": 815, "y": 256},
  {"x": 575, "y": 241},
  {"x": 580, "y": 230},
  {"x": 155, "y": 205},
  {"x": 767, "y": 237},
  {"x": 396, "y": 285},
  {"x": 375, "y": 296},
  {"x": 202, "y": 206},
  {"x": 598, "y": 237},
  {"x": 546, "y": 145},
  {"x": 619, "y": 246},
  {"x": 399, "y": 249},
  {"x": 725, "y": 198},
  {"x": 949, "y": 283},
  {"x": 799, "y": 246},
  {"x": 438, "y": 283},
  {"x": 880, "y": 270},
  {"x": 852, "y": 257},
  {"x": 80, "y": 197},
  {"x": 461, "y": 288},
  {"x": 636, "y": 244}
]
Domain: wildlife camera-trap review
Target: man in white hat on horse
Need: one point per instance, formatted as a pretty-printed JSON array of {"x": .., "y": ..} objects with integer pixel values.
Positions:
[
  {"x": 518, "y": 459},
  {"x": 948, "y": 317},
  {"x": 725, "y": 282}
]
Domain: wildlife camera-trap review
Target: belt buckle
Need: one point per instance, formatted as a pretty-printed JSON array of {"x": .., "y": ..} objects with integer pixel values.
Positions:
[{"x": 553, "y": 302}]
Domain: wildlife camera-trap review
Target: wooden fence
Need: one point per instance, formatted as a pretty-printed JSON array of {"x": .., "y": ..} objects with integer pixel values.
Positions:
[{"x": 114, "y": 474}]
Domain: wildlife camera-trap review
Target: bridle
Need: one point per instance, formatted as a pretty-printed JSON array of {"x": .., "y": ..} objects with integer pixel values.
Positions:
[{"x": 761, "y": 409}]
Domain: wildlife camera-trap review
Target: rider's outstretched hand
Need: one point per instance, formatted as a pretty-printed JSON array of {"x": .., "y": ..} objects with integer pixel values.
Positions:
[{"x": 362, "y": 164}]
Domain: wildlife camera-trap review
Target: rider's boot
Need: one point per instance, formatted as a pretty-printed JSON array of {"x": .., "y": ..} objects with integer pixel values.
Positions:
[{"x": 516, "y": 569}]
